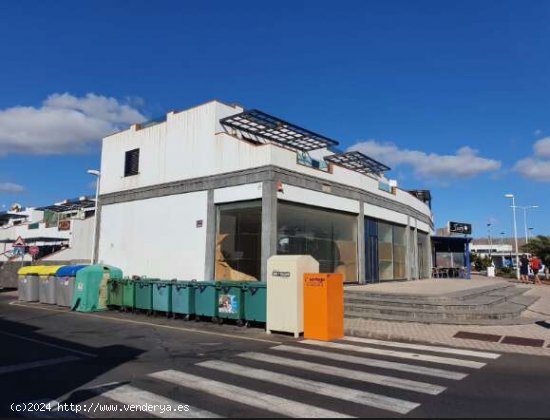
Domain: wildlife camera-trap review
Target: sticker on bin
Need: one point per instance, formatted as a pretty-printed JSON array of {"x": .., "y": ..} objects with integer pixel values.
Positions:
[{"x": 228, "y": 304}]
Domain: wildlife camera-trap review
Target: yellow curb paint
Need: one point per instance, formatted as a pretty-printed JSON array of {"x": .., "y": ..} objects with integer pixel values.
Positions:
[{"x": 129, "y": 321}]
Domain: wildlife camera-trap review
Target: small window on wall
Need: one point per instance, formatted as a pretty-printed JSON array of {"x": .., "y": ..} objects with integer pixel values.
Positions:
[{"x": 131, "y": 163}]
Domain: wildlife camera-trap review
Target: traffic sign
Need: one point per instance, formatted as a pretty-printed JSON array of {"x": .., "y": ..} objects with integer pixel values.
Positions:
[
  {"x": 19, "y": 242},
  {"x": 18, "y": 251},
  {"x": 34, "y": 251}
]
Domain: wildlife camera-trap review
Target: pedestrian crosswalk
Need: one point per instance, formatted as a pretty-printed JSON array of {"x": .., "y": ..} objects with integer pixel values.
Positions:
[{"x": 353, "y": 377}]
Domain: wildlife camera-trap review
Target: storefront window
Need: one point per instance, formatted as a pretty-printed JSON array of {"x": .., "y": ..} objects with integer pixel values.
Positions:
[
  {"x": 399, "y": 253},
  {"x": 385, "y": 251},
  {"x": 413, "y": 260},
  {"x": 238, "y": 241},
  {"x": 329, "y": 237},
  {"x": 424, "y": 255}
]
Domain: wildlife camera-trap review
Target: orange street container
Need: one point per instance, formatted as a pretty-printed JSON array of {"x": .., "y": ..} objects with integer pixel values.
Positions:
[{"x": 323, "y": 306}]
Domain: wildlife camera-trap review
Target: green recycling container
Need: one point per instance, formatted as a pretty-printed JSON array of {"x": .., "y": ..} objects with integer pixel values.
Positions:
[
  {"x": 114, "y": 292},
  {"x": 128, "y": 294},
  {"x": 255, "y": 302},
  {"x": 144, "y": 295},
  {"x": 231, "y": 300},
  {"x": 183, "y": 298},
  {"x": 206, "y": 299},
  {"x": 162, "y": 296}
]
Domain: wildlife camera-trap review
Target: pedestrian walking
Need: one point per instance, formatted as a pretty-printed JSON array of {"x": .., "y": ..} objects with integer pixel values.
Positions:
[
  {"x": 536, "y": 265},
  {"x": 524, "y": 269}
]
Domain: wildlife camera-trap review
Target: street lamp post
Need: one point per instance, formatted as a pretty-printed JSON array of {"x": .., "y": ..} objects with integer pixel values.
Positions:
[
  {"x": 515, "y": 232},
  {"x": 525, "y": 208},
  {"x": 490, "y": 242},
  {"x": 94, "y": 233}
]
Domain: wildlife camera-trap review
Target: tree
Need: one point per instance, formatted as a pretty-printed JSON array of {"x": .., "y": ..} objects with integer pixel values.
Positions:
[
  {"x": 480, "y": 264},
  {"x": 540, "y": 246}
]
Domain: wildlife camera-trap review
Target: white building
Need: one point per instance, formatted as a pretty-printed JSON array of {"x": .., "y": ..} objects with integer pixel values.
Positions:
[
  {"x": 213, "y": 191},
  {"x": 502, "y": 255},
  {"x": 62, "y": 232}
]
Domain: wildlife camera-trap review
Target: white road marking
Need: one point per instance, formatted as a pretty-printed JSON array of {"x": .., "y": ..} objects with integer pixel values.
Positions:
[
  {"x": 245, "y": 396},
  {"x": 32, "y": 340},
  {"x": 320, "y": 388},
  {"x": 383, "y": 364},
  {"x": 33, "y": 365},
  {"x": 129, "y": 395},
  {"x": 447, "y": 350},
  {"x": 397, "y": 354},
  {"x": 388, "y": 381}
]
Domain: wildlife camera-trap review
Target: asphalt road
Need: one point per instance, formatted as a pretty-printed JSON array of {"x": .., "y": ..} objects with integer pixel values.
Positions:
[{"x": 131, "y": 362}]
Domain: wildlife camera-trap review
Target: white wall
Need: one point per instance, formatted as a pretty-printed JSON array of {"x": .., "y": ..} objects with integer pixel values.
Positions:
[
  {"x": 157, "y": 237},
  {"x": 81, "y": 237},
  {"x": 238, "y": 193},
  {"x": 318, "y": 199},
  {"x": 191, "y": 144},
  {"x": 385, "y": 214}
]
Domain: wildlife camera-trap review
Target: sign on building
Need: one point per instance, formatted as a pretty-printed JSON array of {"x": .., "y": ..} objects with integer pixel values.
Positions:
[{"x": 462, "y": 228}]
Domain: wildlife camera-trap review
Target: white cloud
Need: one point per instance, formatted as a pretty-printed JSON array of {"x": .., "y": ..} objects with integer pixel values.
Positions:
[
  {"x": 532, "y": 168},
  {"x": 465, "y": 163},
  {"x": 542, "y": 148},
  {"x": 536, "y": 167},
  {"x": 10, "y": 187},
  {"x": 63, "y": 124}
]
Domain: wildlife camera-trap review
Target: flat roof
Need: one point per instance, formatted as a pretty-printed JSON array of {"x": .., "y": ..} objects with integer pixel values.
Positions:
[
  {"x": 358, "y": 162},
  {"x": 5, "y": 216},
  {"x": 70, "y": 205},
  {"x": 276, "y": 130}
]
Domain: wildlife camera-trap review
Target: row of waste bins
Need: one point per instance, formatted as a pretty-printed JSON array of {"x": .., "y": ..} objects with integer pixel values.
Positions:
[
  {"x": 52, "y": 284},
  {"x": 243, "y": 302}
]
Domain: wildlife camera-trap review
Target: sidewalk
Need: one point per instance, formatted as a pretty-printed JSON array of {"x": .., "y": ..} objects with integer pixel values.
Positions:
[{"x": 444, "y": 334}]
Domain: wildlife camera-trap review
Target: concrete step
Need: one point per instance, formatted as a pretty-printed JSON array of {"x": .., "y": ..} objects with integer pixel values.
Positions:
[
  {"x": 461, "y": 295},
  {"x": 395, "y": 318},
  {"x": 481, "y": 302},
  {"x": 501, "y": 311}
]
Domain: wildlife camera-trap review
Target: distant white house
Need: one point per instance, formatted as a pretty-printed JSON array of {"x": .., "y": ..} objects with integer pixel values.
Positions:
[{"x": 59, "y": 232}]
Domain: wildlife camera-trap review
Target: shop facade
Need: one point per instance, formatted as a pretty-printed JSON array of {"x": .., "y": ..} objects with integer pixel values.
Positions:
[{"x": 212, "y": 192}]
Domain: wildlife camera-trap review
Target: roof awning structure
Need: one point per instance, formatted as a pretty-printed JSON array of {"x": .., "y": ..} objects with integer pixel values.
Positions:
[
  {"x": 358, "y": 162},
  {"x": 45, "y": 239},
  {"x": 4, "y": 217},
  {"x": 262, "y": 126},
  {"x": 70, "y": 205},
  {"x": 35, "y": 240}
]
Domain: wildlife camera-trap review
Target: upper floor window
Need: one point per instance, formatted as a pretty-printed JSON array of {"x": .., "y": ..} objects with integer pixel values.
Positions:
[
  {"x": 303, "y": 158},
  {"x": 131, "y": 163}
]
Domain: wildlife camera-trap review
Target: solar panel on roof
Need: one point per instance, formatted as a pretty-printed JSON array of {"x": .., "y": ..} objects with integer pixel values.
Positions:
[
  {"x": 357, "y": 161},
  {"x": 273, "y": 129}
]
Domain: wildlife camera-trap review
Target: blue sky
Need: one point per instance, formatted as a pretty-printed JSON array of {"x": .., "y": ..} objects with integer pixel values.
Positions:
[{"x": 455, "y": 96}]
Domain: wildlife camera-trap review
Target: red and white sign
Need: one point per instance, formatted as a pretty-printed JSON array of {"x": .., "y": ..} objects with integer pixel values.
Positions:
[
  {"x": 34, "y": 251},
  {"x": 19, "y": 242}
]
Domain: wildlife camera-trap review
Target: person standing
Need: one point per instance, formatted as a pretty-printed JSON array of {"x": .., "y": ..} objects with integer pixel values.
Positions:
[
  {"x": 524, "y": 269},
  {"x": 536, "y": 265}
]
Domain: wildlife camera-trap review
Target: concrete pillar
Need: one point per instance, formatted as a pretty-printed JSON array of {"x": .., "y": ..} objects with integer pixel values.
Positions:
[
  {"x": 429, "y": 268},
  {"x": 361, "y": 262},
  {"x": 408, "y": 251},
  {"x": 269, "y": 223},
  {"x": 415, "y": 253},
  {"x": 211, "y": 228}
]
